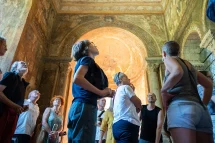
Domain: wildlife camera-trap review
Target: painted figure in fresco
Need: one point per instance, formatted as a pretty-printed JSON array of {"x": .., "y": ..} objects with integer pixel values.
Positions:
[
  {"x": 152, "y": 122},
  {"x": 126, "y": 108},
  {"x": 188, "y": 118},
  {"x": 3, "y": 49},
  {"x": 27, "y": 120},
  {"x": 106, "y": 125},
  {"x": 89, "y": 84},
  {"x": 100, "y": 116},
  {"x": 52, "y": 123},
  {"x": 12, "y": 93}
]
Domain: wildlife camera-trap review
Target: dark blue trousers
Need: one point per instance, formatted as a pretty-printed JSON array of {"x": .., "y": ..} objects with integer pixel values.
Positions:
[
  {"x": 125, "y": 132},
  {"x": 82, "y": 123}
]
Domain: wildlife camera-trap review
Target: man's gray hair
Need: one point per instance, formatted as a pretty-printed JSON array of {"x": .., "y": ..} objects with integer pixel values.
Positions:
[{"x": 171, "y": 48}]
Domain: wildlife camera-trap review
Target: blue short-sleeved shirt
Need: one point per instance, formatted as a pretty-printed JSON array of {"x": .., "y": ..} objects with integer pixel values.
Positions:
[
  {"x": 211, "y": 104},
  {"x": 80, "y": 94}
]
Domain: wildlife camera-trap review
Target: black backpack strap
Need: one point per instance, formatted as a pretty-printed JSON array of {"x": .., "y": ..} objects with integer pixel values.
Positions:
[
  {"x": 194, "y": 84},
  {"x": 101, "y": 114}
]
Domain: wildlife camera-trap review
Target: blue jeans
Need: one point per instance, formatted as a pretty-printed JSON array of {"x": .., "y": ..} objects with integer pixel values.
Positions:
[
  {"x": 125, "y": 132},
  {"x": 81, "y": 123}
]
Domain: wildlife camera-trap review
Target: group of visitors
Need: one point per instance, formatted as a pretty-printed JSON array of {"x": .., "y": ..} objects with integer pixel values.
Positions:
[
  {"x": 18, "y": 116},
  {"x": 185, "y": 104},
  {"x": 188, "y": 119}
]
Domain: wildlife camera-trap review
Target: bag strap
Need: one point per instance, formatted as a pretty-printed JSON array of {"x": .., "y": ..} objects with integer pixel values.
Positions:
[
  {"x": 101, "y": 114},
  {"x": 194, "y": 84}
]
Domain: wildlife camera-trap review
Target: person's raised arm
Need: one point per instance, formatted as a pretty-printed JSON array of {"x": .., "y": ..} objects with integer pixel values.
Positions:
[
  {"x": 45, "y": 120},
  {"x": 159, "y": 126},
  {"x": 81, "y": 81},
  {"x": 208, "y": 87},
  {"x": 176, "y": 73}
]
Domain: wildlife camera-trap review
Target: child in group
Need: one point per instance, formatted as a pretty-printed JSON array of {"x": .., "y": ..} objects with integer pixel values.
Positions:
[{"x": 126, "y": 108}]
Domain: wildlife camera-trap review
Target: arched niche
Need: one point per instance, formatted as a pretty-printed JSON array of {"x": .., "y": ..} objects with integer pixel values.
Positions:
[
  {"x": 119, "y": 51},
  {"x": 69, "y": 39},
  {"x": 191, "y": 49}
]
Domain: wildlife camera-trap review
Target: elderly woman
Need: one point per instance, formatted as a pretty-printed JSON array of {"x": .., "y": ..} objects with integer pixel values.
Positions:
[
  {"x": 188, "y": 118},
  {"x": 52, "y": 122},
  {"x": 12, "y": 93}
]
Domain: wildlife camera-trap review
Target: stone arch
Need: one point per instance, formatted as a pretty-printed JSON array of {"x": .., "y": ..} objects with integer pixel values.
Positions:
[
  {"x": 192, "y": 47},
  {"x": 69, "y": 39},
  {"x": 192, "y": 28},
  {"x": 204, "y": 7}
]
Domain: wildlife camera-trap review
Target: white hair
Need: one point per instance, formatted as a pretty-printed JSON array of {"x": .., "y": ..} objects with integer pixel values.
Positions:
[
  {"x": 29, "y": 95},
  {"x": 14, "y": 66}
]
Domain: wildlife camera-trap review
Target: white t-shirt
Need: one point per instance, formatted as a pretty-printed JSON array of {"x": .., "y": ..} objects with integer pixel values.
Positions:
[
  {"x": 27, "y": 120},
  {"x": 123, "y": 108},
  {"x": 98, "y": 127}
]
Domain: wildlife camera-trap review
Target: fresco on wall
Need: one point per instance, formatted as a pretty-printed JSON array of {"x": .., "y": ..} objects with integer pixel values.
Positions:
[
  {"x": 174, "y": 13},
  {"x": 150, "y": 27},
  {"x": 152, "y": 24}
]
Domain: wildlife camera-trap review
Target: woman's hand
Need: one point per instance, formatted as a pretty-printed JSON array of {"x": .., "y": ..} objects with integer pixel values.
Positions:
[
  {"x": 53, "y": 135},
  {"x": 166, "y": 97},
  {"x": 18, "y": 109}
]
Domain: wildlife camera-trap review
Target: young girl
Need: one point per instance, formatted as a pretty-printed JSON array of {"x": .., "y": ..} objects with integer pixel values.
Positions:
[{"x": 126, "y": 107}]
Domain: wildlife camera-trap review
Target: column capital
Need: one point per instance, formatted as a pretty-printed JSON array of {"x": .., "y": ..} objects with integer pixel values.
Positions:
[
  {"x": 153, "y": 67},
  {"x": 154, "y": 63},
  {"x": 154, "y": 59}
]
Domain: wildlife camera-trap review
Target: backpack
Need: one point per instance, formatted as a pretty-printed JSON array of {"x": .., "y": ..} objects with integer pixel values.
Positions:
[{"x": 211, "y": 10}]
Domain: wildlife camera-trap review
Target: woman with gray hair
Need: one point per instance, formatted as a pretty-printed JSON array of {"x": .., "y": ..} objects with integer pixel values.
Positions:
[{"x": 12, "y": 93}]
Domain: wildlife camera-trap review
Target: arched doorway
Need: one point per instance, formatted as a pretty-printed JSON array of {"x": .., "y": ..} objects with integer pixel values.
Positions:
[
  {"x": 191, "y": 50},
  {"x": 120, "y": 51}
]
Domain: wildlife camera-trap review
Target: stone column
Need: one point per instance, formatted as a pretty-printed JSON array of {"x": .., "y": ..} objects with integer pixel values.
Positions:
[{"x": 154, "y": 79}]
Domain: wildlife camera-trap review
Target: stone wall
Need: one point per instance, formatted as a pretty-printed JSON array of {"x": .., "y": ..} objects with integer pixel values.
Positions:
[
  {"x": 35, "y": 39},
  {"x": 13, "y": 14},
  {"x": 33, "y": 47}
]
